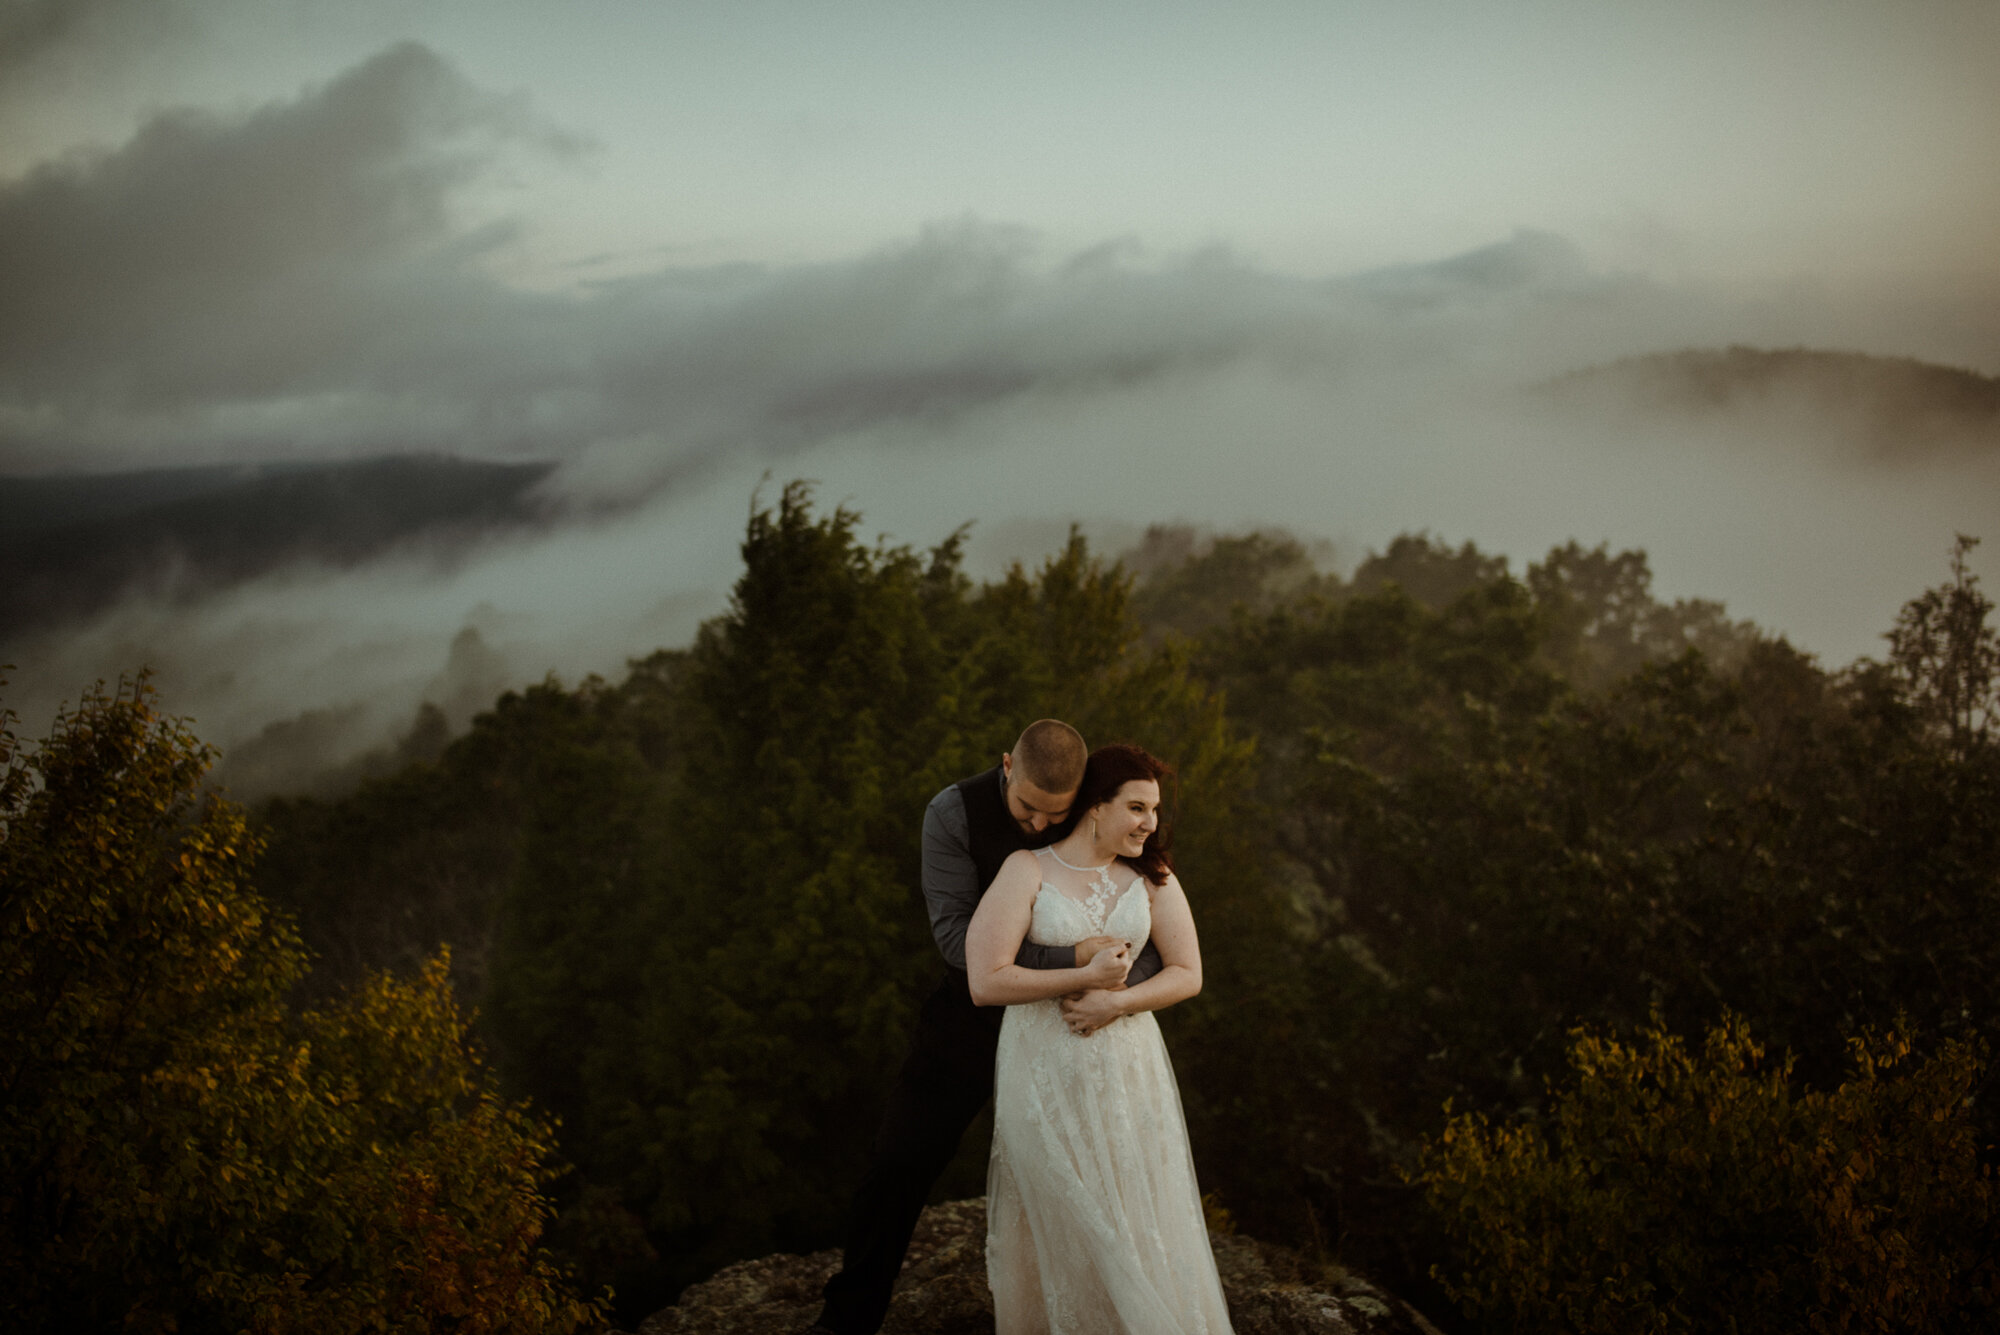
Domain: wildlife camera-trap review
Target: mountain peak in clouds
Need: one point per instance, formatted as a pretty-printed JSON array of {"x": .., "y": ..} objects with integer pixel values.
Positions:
[
  {"x": 1527, "y": 261},
  {"x": 72, "y": 544},
  {"x": 1896, "y": 406}
]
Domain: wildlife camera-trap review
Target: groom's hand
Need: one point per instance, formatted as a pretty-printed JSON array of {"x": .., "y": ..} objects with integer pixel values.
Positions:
[
  {"x": 1087, "y": 1012},
  {"x": 1086, "y": 949}
]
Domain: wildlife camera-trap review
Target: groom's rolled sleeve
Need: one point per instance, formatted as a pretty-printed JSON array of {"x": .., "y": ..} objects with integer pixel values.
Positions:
[{"x": 952, "y": 888}]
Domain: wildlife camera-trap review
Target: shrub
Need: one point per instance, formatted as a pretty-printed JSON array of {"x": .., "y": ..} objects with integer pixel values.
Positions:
[{"x": 1668, "y": 1190}]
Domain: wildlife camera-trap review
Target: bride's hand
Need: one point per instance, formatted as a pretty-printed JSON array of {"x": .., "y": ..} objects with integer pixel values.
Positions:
[
  {"x": 1087, "y": 949},
  {"x": 1087, "y": 1012},
  {"x": 1108, "y": 966}
]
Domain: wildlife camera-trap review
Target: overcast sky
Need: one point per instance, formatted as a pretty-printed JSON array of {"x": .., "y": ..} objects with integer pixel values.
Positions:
[
  {"x": 245, "y": 226},
  {"x": 1020, "y": 263},
  {"x": 1740, "y": 137}
]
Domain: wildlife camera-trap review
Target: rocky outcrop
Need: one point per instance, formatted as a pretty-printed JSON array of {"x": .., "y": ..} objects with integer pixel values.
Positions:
[{"x": 942, "y": 1290}]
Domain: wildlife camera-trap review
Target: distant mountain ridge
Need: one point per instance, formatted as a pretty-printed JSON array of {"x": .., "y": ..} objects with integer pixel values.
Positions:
[
  {"x": 1895, "y": 404},
  {"x": 71, "y": 544}
]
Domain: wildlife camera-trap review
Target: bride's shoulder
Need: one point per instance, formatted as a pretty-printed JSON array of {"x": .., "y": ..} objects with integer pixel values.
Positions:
[{"x": 1022, "y": 865}]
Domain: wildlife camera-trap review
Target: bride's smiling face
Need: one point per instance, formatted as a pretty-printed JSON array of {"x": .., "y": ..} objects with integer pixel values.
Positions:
[{"x": 1124, "y": 822}]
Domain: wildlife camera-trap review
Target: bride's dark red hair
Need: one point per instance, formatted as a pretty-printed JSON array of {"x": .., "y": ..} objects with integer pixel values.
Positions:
[{"x": 1111, "y": 768}]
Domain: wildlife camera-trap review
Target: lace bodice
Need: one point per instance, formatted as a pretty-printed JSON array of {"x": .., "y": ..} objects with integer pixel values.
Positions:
[{"x": 1071, "y": 906}]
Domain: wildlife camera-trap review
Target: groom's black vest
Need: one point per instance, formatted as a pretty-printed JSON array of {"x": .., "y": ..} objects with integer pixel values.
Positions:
[{"x": 989, "y": 826}]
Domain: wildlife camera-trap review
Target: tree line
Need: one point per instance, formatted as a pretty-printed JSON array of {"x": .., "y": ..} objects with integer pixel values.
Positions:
[{"x": 1546, "y": 924}]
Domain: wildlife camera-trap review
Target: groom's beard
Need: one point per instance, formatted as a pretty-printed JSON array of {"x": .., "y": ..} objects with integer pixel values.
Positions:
[{"x": 1043, "y": 837}]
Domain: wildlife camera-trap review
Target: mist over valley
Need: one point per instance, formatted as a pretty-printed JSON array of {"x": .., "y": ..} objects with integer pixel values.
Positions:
[{"x": 307, "y": 612}]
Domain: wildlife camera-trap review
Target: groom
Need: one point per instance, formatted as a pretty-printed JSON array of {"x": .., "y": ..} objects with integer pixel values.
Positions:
[{"x": 969, "y": 830}]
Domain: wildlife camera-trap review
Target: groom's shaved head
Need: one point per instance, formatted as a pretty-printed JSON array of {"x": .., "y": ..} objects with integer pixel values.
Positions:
[{"x": 1050, "y": 755}]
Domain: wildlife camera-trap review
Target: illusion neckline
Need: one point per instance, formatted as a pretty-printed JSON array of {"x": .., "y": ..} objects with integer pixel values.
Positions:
[
  {"x": 1118, "y": 899},
  {"x": 1103, "y": 871}
]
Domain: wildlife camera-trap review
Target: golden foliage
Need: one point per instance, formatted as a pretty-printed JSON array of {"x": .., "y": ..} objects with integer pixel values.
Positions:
[
  {"x": 1670, "y": 1190},
  {"x": 180, "y": 1149}
]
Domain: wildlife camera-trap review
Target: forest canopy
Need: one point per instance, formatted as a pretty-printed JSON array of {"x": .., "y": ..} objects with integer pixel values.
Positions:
[{"x": 1464, "y": 846}]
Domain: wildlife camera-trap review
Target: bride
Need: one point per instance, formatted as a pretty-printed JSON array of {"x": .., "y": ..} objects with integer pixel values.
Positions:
[{"x": 1094, "y": 1223}]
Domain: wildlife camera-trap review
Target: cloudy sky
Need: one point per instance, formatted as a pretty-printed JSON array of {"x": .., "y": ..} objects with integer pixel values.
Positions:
[{"x": 1263, "y": 263}]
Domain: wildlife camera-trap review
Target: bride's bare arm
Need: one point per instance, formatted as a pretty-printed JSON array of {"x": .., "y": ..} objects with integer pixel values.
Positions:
[
  {"x": 998, "y": 927},
  {"x": 1180, "y": 968}
]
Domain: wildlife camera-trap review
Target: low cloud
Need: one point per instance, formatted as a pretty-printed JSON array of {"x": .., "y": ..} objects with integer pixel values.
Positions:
[
  {"x": 313, "y": 278},
  {"x": 227, "y": 282},
  {"x": 32, "y": 31}
]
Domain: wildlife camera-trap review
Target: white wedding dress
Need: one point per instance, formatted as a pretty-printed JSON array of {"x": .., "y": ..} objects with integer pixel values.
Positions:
[{"x": 1094, "y": 1223}]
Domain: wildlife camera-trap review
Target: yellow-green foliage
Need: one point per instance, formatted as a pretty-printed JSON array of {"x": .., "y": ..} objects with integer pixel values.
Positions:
[
  {"x": 179, "y": 1149},
  {"x": 1669, "y": 1190}
]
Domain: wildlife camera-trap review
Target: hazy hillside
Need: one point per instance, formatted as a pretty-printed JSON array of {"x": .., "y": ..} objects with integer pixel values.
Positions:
[
  {"x": 71, "y": 544},
  {"x": 1894, "y": 405}
]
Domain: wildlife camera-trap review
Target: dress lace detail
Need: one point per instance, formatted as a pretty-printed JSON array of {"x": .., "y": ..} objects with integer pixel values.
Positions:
[
  {"x": 1094, "y": 1221},
  {"x": 1097, "y": 904}
]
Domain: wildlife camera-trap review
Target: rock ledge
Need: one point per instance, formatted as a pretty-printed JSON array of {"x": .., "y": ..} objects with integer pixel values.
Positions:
[{"x": 942, "y": 1290}]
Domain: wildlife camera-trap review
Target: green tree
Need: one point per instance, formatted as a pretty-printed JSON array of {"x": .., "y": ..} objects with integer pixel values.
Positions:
[
  {"x": 1604, "y": 623},
  {"x": 1186, "y": 585},
  {"x": 1947, "y": 657},
  {"x": 420, "y": 858},
  {"x": 182, "y": 1151},
  {"x": 1428, "y": 569}
]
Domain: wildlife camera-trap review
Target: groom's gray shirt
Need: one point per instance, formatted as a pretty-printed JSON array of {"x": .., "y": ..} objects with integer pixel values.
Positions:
[
  {"x": 952, "y": 888},
  {"x": 952, "y": 891}
]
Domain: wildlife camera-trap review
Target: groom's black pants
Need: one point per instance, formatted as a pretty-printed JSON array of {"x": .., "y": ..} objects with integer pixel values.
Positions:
[{"x": 945, "y": 1081}]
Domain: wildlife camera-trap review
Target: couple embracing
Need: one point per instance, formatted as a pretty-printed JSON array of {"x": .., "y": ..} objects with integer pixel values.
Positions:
[{"x": 1053, "y": 903}]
